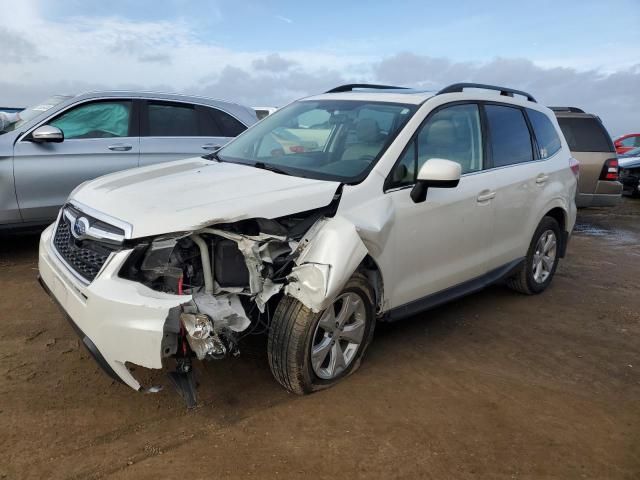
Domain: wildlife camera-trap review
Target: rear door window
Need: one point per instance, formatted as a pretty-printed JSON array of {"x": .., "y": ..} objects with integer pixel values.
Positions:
[
  {"x": 510, "y": 138},
  {"x": 172, "y": 119},
  {"x": 227, "y": 125},
  {"x": 585, "y": 135},
  {"x": 546, "y": 134},
  {"x": 95, "y": 120}
]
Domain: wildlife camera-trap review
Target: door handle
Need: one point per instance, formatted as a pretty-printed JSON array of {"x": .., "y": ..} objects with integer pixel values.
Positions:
[
  {"x": 120, "y": 148},
  {"x": 211, "y": 146},
  {"x": 485, "y": 196},
  {"x": 542, "y": 179}
]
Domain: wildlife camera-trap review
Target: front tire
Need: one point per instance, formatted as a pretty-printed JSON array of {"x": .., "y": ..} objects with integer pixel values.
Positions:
[
  {"x": 540, "y": 264},
  {"x": 311, "y": 351}
]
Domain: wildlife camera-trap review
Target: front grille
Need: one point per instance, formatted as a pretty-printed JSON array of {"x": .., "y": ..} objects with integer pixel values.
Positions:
[{"x": 85, "y": 257}]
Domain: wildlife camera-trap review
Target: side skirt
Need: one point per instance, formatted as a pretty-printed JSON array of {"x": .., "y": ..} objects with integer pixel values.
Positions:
[{"x": 460, "y": 290}]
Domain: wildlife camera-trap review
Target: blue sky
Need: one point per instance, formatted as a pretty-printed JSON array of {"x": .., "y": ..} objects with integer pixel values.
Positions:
[
  {"x": 587, "y": 34},
  {"x": 585, "y": 54}
]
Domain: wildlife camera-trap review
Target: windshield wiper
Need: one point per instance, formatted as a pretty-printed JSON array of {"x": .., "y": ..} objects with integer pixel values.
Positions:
[
  {"x": 262, "y": 165},
  {"x": 271, "y": 168},
  {"x": 212, "y": 156}
]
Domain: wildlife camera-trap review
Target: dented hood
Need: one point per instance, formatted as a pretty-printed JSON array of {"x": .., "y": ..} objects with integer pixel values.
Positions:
[{"x": 193, "y": 193}]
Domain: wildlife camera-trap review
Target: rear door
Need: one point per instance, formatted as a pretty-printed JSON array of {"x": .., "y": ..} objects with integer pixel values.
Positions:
[
  {"x": 101, "y": 136},
  {"x": 517, "y": 179},
  {"x": 177, "y": 130}
]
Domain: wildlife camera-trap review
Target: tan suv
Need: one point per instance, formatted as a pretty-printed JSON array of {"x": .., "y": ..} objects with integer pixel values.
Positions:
[{"x": 591, "y": 145}]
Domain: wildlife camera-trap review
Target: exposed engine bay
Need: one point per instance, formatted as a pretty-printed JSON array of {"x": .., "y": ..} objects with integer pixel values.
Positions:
[{"x": 233, "y": 275}]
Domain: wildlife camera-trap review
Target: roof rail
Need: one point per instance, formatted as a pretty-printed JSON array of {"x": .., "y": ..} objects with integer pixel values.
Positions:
[
  {"x": 507, "y": 92},
  {"x": 567, "y": 109},
  {"x": 352, "y": 86}
]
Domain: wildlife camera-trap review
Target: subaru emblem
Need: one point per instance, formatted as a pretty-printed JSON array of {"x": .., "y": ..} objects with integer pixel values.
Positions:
[{"x": 80, "y": 227}]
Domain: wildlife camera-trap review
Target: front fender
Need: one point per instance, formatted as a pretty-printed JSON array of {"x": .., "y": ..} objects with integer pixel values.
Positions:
[{"x": 328, "y": 255}]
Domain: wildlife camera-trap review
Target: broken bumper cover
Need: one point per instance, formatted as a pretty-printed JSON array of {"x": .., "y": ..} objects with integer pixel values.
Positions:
[{"x": 118, "y": 320}]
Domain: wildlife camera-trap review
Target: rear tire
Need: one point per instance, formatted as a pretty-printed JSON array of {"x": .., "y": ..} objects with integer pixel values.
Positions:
[
  {"x": 540, "y": 264},
  {"x": 298, "y": 338}
]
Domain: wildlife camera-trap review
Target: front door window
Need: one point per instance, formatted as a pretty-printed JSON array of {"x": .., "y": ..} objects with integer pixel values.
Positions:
[{"x": 95, "y": 120}]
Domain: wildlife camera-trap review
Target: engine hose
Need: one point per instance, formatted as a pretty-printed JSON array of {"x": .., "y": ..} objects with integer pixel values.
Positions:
[{"x": 206, "y": 263}]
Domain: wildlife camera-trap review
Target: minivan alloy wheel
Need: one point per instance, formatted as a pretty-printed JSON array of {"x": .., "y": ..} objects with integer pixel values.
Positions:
[
  {"x": 544, "y": 256},
  {"x": 338, "y": 335}
]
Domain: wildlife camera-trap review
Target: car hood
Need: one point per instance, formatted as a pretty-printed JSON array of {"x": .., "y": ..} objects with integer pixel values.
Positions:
[{"x": 194, "y": 193}]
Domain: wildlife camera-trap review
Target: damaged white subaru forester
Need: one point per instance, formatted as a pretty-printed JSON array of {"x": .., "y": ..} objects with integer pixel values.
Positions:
[{"x": 367, "y": 203}]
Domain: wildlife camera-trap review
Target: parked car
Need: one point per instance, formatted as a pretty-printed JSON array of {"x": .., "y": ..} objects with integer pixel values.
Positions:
[
  {"x": 413, "y": 199},
  {"x": 262, "y": 112},
  {"x": 630, "y": 171},
  {"x": 627, "y": 142},
  {"x": 591, "y": 145},
  {"x": 65, "y": 141}
]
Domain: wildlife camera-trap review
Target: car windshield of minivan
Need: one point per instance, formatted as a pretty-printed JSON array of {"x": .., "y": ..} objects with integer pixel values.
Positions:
[
  {"x": 337, "y": 140},
  {"x": 34, "y": 111}
]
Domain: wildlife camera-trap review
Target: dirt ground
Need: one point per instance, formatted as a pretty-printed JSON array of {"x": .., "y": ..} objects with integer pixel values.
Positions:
[{"x": 496, "y": 385}]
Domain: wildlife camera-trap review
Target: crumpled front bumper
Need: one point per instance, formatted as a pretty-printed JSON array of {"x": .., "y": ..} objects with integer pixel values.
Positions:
[{"x": 118, "y": 320}]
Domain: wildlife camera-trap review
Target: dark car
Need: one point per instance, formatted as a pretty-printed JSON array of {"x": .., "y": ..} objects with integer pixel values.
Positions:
[{"x": 630, "y": 172}]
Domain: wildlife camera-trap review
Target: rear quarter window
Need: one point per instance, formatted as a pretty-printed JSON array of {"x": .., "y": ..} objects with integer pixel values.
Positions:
[
  {"x": 546, "y": 134},
  {"x": 585, "y": 135}
]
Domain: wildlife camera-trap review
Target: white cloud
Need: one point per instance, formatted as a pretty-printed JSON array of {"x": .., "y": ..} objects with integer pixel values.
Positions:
[
  {"x": 283, "y": 19},
  {"x": 41, "y": 57}
]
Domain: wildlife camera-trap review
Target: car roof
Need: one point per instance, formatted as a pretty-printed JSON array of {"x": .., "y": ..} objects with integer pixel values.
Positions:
[
  {"x": 457, "y": 91},
  {"x": 410, "y": 96}
]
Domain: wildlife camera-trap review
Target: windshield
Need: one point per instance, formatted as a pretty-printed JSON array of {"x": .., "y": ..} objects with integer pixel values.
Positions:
[
  {"x": 325, "y": 139},
  {"x": 34, "y": 111}
]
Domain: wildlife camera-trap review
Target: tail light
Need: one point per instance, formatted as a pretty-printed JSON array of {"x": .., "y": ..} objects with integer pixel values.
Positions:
[
  {"x": 610, "y": 170},
  {"x": 574, "y": 165}
]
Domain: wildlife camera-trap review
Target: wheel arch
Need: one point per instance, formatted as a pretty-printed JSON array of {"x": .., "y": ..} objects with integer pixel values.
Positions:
[
  {"x": 560, "y": 215},
  {"x": 332, "y": 251},
  {"x": 370, "y": 268}
]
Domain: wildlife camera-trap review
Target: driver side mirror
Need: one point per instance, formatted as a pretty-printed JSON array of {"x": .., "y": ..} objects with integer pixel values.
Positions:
[
  {"x": 435, "y": 173},
  {"x": 47, "y": 133}
]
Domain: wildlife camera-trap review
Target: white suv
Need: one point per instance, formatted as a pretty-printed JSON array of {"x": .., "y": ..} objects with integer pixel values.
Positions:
[{"x": 367, "y": 203}]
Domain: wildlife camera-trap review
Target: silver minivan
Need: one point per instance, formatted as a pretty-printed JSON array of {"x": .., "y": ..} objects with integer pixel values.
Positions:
[{"x": 66, "y": 141}]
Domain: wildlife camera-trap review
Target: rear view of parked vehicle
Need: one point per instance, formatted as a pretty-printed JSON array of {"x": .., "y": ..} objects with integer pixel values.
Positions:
[
  {"x": 591, "y": 145},
  {"x": 65, "y": 141}
]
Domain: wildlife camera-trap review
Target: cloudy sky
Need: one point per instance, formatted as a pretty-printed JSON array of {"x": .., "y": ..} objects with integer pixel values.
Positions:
[{"x": 564, "y": 52}]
